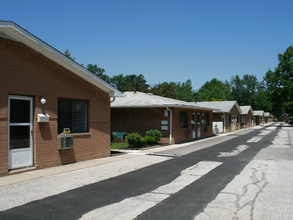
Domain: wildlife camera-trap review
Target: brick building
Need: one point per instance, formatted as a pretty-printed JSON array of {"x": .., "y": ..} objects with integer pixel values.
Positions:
[
  {"x": 246, "y": 117},
  {"x": 259, "y": 117},
  {"x": 226, "y": 115},
  {"x": 42, "y": 92},
  {"x": 267, "y": 116},
  {"x": 178, "y": 121}
]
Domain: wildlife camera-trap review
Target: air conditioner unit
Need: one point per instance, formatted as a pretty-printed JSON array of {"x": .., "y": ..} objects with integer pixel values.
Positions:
[{"x": 65, "y": 142}]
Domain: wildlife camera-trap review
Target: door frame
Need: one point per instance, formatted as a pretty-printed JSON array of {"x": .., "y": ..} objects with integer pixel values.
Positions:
[{"x": 28, "y": 151}]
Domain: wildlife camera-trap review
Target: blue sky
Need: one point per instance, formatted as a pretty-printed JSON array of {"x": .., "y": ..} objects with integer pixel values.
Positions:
[{"x": 163, "y": 40}]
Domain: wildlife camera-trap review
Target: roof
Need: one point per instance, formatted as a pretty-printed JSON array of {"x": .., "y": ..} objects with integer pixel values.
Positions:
[
  {"x": 267, "y": 114},
  {"x": 12, "y": 31},
  {"x": 148, "y": 100},
  {"x": 258, "y": 113},
  {"x": 245, "y": 109},
  {"x": 222, "y": 106}
]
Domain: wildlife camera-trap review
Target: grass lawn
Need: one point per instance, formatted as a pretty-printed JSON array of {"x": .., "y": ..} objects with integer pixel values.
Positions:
[{"x": 119, "y": 145}]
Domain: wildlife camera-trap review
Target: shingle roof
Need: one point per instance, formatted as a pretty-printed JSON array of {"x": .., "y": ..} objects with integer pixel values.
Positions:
[
  {"x": 10, "y": 30},
  {"x": 258, "y": 113},
  {"x": 245, "y": 109},
  {"x": 148, "y": 100},
  {"x": 222, "y": 106}
]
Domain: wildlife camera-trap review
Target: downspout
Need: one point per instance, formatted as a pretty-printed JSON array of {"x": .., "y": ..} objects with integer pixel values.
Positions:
[
  {"x": 244, "y": 121},
  {"x": 224, "y": 122},
  {"x": 170, "y": 124}
]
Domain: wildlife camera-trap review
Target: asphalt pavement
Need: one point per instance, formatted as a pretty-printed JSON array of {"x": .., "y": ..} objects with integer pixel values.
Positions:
[{"x": 255, "y": 185}]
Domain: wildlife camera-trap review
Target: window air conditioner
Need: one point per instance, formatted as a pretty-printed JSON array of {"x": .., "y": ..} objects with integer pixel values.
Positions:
[{"x": 65, "y": 142}]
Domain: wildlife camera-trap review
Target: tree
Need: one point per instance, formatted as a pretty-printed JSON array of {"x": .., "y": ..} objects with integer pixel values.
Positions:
[
  {"x": 248, "y": 91},
  {"x": 98, "y": 72},
  {"x": 237, "y": 89},
  {"x": 127, "y": 83},
  {"x": 164, "y": 89},
  {"x": 67, "y": 53},
  {"x": 280, "y": 83},
  {"x": 185, "y": 91},
  {"x": 214, "y": 90},
  {"x": 181, "y": 91}
]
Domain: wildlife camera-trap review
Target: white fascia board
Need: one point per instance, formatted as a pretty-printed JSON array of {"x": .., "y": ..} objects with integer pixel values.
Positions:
[{"x": 19, "y": 34}]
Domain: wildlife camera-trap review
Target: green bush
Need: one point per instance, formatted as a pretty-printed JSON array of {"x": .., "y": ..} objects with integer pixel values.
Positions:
[
  {"x": 134, "y": 139},
  {"x": 142, "y": 142},
  {"x": 113, "y": 137},
  {"x": 157, "y": 135},
  {"x": 149, "y": 140}
]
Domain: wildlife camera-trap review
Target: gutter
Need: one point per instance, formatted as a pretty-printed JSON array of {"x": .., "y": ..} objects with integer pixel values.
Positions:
[{"x": 112, "y": 99}]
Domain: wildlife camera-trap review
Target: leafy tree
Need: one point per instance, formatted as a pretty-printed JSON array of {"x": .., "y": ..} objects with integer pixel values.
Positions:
[
  {"x": 98, "y": 72},
  {"x": 280, "y": 83},
  {"x": 127, "y": 83},
  {"x": 214, "y": 90},
  {"x": 185, "y": 91},
  {"x": 181, "y": 91},
  {"x": 67, "y": 53},
  {"x": 248, "y": 91},
  {"x": 164, "y": 89}
]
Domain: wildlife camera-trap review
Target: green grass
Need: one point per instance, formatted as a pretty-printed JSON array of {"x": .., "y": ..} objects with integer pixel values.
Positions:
[{"x": 119, "y": 145}]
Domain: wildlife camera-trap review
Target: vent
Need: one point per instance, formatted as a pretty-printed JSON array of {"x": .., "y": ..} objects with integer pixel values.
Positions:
[{"x": 65, "y": 142}]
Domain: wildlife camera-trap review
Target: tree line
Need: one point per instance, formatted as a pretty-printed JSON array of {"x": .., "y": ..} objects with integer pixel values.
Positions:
[{"x": 273, "y": 94}]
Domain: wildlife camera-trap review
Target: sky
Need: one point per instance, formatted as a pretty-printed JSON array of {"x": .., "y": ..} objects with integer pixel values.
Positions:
[{"x": 164, "y": 40}]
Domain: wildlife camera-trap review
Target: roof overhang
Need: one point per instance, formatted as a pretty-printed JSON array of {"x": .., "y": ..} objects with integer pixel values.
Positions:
[
  {"x": 163, "y": 106},
  {"x": 14, "y": 32}
]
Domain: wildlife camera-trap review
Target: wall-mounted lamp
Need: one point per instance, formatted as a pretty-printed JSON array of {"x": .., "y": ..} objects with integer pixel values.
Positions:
[{"x": 43, "y": 100}]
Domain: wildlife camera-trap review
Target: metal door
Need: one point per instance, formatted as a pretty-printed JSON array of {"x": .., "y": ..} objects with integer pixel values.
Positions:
[{"x": 20, "y": 131}]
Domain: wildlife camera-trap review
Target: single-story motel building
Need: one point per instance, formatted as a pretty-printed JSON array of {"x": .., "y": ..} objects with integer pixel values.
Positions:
[
  {"x": 246, "y": 116},
  {"x": 258, "y": 116},
  {"x": 43, "y": 93},
  {"x": 178, "y": 121},
  {"x": 226, "y": 115}
]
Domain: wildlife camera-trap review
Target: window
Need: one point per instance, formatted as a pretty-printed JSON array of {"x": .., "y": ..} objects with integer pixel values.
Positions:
[
  {"x": 183, "y": 120},
  {"x": 206, "y": 119},
  {"x": 72, "y": 114}
]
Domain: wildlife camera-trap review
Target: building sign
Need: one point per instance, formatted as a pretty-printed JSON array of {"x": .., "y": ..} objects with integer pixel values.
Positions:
[
  {"x": 164, "y": 122},
  {"x": 164, "y": 127}
]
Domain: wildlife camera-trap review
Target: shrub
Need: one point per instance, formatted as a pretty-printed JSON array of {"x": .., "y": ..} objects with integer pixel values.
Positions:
[
  {"x": 113, "y": 137},
  {"x": 157, "y": 135},
  {"x": 142, "y": 142},
  {"x": 134, "y": 139},
  {"x": 149, "y": 140}
]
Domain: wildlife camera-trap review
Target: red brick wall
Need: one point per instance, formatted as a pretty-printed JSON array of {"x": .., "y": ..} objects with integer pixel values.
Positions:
[
  {"x": 218, "y": 117},
  {"x": 180, "y": 135},
  {"x": 247, "y": 120},
  {"x": 139, "y": 120},
  {"x": 143, "y": 119},
  {"x": 26, "y": 72}
]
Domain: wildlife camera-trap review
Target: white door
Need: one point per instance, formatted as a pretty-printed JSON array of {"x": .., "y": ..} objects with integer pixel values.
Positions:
[
  {"x": 193, "y": 125},
  {"x": 198, "y": 124},
  {"x": 20, "y": 136}
]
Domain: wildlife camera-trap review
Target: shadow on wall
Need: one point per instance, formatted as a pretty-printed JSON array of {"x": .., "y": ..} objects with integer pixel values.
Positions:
[{"x": 45, "y": 131}]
